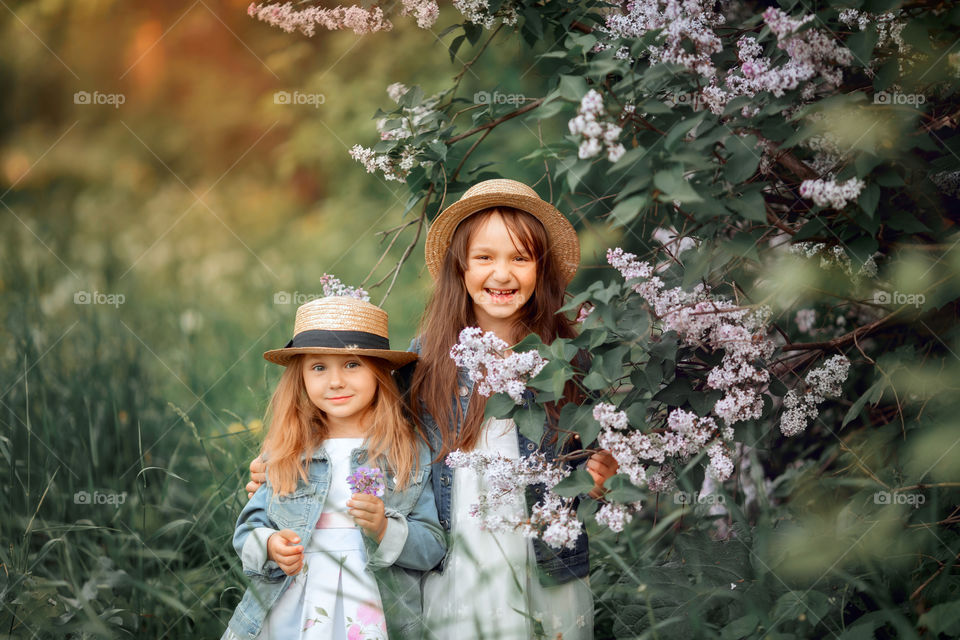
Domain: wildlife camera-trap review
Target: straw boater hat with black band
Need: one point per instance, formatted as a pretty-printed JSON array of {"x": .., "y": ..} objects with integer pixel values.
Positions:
[
  {"x": 341, "y": 325},
  {"x": 501, "y": 192}
]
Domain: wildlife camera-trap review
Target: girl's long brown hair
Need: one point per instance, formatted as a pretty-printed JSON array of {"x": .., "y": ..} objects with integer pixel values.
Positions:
[
  {"x": 297, "y": 426},
  {"x": 450, "y": 310}
]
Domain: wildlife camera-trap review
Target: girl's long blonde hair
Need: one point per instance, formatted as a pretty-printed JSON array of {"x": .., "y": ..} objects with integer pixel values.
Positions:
[{"x": 297, "y": 427}]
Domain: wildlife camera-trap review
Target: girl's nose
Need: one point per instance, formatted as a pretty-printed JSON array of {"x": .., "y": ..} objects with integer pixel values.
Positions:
[{"x": 335, "y": 381}]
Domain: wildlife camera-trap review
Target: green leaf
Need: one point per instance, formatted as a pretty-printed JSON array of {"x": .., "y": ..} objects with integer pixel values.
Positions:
[
  {"x": 674, "y": 186},
  {"x": 675, "y": 393},
  {"x": 573, "y": 485},
  {"x": 854, "y": 410},
  {"x": 869, "y": 198},
  {"x": 628, "y": 209},
  {"x": 743, "y": 160},
  {"x": 572, "y": 87},
  {"x": 861, "y": 44},
  {"x": 499, "y": 405},
  {"x": 740, "y": 628},
  {"x": 750, "y": 205},
  {"x": 530, "y": 422}
]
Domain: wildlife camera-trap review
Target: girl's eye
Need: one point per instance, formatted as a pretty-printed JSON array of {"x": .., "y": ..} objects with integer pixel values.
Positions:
[
  {"x": 353, "y": 364},
  {"x": 317, "y": 367},
  {"x": 481, "y": 257},
  {"x": 522, "y": 258}
]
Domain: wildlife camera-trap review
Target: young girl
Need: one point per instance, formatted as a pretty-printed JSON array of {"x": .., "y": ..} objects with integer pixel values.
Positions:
[
  {"x": 325, "y": 563},
  {"x": 501, "y": 258}
]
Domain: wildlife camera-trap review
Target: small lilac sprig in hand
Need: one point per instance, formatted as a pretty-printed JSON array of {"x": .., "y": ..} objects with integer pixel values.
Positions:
[{"x": 368, "y": 480}]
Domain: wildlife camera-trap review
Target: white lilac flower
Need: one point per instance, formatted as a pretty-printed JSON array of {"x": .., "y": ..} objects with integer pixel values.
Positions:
[
  {"x": 597, "y": 129},
  {"x": 484, "y": 357},
  {"x": 830, "y": 193},
  {"x": 614, "y": 515},
  {"x": 823, "y": 382},
  {"x": 805, "y": 320}
]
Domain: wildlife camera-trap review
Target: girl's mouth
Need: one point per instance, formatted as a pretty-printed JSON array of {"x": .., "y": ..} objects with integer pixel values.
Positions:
[
  {"x": 339, "y": 399},
  {"x": 500, "y": 296}
]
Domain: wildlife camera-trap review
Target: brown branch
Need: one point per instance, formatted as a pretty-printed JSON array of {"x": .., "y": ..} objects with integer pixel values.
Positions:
[
  {"x": 840, "y": 341},
  {"x": 490, "y": 125}
]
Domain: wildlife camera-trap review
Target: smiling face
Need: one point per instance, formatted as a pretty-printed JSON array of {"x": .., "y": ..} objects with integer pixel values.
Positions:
[
  {"x": 342, "y": 386},
  {"x": 501, "y": 275}
]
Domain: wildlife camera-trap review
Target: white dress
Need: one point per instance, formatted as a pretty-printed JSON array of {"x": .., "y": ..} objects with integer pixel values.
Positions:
[
  {"x": 489, "y": 586},
  {"x": 333, "y": 597}
]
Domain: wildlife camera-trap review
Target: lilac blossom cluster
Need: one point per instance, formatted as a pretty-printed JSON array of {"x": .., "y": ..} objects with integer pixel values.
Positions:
[
  {"x": 822, "y": 382},
  {"x": 830, "y": 193},
  {"x": 414, "y": 121},
  {"x": 712, "y": 322},
  {"x": 333, "y": 287},
  {"x": 356, "y": 18},
  {"x": 500, "y": 507},
  {"x": 688, "y": 36},
  {"x": 359, "y": 20},
  {"x": 485, "y": 357},
  {"x": 596, "y": 129},
  {"x": 368, "y": 480},
  {"x": 686, "y": 435},
  {"x": 478, "y": 12},
  {"x": 835, "y": 256}
]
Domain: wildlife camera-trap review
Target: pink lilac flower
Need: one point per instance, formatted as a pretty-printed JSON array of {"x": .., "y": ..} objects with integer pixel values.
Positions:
[
  {"x": 484, "y": 356},
  {"x": 333, "y": 287},
  {"x": 285, "y": 16},
  {"x": 367, "y": 480},
  {"x": 702, "y": 320}
]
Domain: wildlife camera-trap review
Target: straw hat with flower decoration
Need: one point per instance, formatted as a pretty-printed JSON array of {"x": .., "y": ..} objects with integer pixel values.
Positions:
[
  {"x": 341, "y": 325},
  {"x": 501, "y": 192}
]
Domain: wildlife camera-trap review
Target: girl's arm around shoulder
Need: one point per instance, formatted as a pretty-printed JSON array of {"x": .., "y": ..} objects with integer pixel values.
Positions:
[
  {"x": 416, "y": 540},
  {"x": 250, "y": 538}
]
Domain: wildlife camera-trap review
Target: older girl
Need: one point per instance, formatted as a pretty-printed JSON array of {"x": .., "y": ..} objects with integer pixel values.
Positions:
[{"x": 501, "y": 258}]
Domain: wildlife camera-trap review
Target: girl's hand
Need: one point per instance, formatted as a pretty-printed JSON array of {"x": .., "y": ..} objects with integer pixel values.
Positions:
[
  {"x": 258, "y": 475},
  {"x": 601, "y": 466},
  {"x": 368, "y": 512},
  {"x": 283, "y": 548}
]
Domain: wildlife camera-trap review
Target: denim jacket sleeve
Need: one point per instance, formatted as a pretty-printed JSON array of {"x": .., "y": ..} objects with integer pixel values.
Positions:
[
  {"x": 250, "y": 538},
  {"x": 415, "y": 540}
]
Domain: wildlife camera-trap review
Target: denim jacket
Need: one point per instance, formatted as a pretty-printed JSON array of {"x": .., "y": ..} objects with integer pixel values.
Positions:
[
  {"x": 413, "y": 543},
  {"x": 555, "y": 566}
]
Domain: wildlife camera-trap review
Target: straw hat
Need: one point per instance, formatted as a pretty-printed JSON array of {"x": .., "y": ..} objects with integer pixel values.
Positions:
[
  {"x": 338, "y": 324},
  {"x": 509, "y": 193}
]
